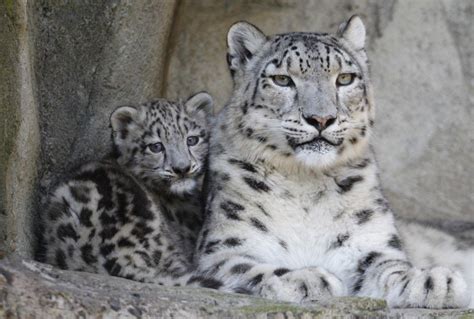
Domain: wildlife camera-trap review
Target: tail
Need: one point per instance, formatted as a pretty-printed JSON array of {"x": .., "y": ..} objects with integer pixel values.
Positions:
[
  {"x": 191, "y": 279},
  {"x": 199, "y": 280}
]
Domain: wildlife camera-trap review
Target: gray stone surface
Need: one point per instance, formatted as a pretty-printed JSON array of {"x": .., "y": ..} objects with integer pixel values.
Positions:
[
  {"x": 9, "y": 121},
  {"x": 19, "y": 131},
  {"x": 425, "y": 134},
  {"x": 422, "y": 68},
  {"x": 33, "y": 290}
]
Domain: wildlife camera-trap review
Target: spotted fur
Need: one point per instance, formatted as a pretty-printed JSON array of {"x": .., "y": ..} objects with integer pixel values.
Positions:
[
  {"x": 137, "y": 215},
  {"x": 300, "y": 215},
  {"x": 428, "y": 246}
]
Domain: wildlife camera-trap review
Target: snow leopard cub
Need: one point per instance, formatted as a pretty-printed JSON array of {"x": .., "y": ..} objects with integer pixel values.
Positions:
[
  {"x": 294, "y": 207},
  {"x": 136, "y": 215}
]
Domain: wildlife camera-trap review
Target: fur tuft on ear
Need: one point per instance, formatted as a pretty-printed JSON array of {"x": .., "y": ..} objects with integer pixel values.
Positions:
[
  {"x": 353, "y": 31},
  {"x": 122, "y": 117},
  {"x": 199, "y": 102},
  {"x": 243, "y": 41}
]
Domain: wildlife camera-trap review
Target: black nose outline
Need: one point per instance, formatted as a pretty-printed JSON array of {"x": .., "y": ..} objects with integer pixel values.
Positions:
[
  {"x": 181, "y": 170},
  {"x": 320, "y": 123}
]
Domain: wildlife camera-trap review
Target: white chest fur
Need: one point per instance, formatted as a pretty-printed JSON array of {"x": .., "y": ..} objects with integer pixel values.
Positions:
[{"x": 308, "y": 216}]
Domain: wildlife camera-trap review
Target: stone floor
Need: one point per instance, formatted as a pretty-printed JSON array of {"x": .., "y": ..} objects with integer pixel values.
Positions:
[{"x": 30, "y": 289}]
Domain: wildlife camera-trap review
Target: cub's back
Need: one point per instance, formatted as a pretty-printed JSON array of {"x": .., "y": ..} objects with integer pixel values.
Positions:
[{"x": 95, "y": 214}]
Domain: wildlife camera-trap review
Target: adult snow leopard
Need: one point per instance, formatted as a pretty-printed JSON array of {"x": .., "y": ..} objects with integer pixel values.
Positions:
[
  {"x": 294, "y": 207},
  {"x": 137, "y": 215}
]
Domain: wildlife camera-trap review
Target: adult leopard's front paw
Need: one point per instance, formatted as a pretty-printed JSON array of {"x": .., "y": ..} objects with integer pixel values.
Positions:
[
  {"x": 302, "y": 285},
  {"x": 437, "y": 287}
]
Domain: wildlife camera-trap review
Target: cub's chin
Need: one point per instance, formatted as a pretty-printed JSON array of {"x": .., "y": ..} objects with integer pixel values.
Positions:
[{"x": 183, "y": 186}]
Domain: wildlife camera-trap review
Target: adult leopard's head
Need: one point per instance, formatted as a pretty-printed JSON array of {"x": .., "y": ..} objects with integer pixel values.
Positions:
[
  {"x": 164, "y": 143},
  {"x": 305, "y": 96}
]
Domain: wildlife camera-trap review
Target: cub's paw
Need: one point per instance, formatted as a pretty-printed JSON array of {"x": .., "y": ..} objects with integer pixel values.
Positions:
[
  {"x": 438, "y": 287},
  {"x": 302, "y": 285}
]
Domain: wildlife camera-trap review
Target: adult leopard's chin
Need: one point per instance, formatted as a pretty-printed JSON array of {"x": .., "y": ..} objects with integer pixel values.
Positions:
[
  {"x": 319, "y": 143},
  {"x": 317, "y": 153},
  {"x": 317, "y": 157}
]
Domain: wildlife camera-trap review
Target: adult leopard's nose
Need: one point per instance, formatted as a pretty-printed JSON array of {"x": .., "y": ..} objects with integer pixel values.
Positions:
[{"x": 320, "y": 123}]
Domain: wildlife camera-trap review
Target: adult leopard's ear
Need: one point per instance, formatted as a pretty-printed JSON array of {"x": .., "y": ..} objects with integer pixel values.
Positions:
[
  {"x": 199, "y": 104},
  {"x": 243, "y": 41},
  {"x": 353, "y": 31},
  {"x": 122, "y": 117}
]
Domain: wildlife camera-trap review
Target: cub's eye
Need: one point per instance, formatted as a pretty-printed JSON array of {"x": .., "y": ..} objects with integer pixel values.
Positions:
[
  {"x": 192, "y": 140},
  {"x": 156, "y": 148},
  {"x": 282, "y": 80},
  {"x": 345, "y": 79}
]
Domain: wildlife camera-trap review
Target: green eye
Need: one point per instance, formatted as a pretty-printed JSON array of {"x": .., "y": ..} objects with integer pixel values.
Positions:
[
  {"x": 282, "y": 80},
  {"x": 156, "y": 148},
  {"x": 345, "y": 79}
]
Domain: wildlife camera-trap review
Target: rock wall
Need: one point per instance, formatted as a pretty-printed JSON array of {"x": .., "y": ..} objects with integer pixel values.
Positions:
[
  {"x": 19, "y": 130},
  {"x": 33, "y": 290}
]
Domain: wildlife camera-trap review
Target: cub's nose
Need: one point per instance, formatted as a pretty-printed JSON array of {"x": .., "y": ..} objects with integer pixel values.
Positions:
[
  {"x": 181, "y": 169},
  {"x": 320, "y": 123}
]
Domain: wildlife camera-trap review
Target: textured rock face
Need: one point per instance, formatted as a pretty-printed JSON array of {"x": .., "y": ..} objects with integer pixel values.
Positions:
[
  {"x": 19, "y": 130},
  {"x": 30, "y": 289},
  {"x": 422, "y": 68}
]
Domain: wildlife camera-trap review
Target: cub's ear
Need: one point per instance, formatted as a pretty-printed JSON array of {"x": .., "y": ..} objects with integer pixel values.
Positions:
[
  {"x": 199, "y": 103},
  {"x": 353, "y": 31},
  {"x": 122, "y": 117},
  {"x": 243, "y": 41}
]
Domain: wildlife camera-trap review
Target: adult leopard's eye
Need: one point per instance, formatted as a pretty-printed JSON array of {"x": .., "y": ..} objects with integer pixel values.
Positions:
[
  {"x": 192, "y": 140},
  {"x": 282, "y": 80},
  {"x": 156, "y": 148},
  {"x": 345, "y": 79}
]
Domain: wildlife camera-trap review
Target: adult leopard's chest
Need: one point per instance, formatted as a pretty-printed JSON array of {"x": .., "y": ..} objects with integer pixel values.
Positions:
[{"x": 307, "y": 217}]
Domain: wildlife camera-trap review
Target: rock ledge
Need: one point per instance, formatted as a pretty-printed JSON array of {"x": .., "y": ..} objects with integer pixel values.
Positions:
[{"x": 29, "y": 289}]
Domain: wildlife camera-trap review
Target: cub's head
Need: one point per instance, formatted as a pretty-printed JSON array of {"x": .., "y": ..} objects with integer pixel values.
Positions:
[
  {"x": 304, "y": 96},
  {"x": 164, "y": 143}
]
